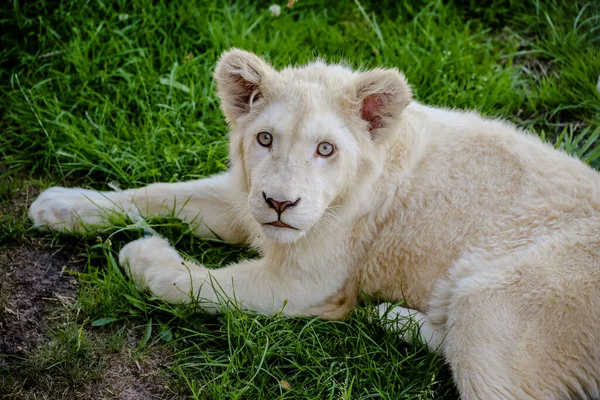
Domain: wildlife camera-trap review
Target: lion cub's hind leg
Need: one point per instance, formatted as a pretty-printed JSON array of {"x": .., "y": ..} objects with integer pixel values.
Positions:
[
  {"x": 410, "y": 324},
  {"x": 526, "y": 326}
]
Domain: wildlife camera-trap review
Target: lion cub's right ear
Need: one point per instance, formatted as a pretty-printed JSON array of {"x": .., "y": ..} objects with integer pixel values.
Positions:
[
  {"x": 241, "y": 78},
  {"x": 381, "y": 95}
]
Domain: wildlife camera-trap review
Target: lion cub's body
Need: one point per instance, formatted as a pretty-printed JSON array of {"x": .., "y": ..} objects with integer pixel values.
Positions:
[
  {"x": 490, "y": 234},
  {"x": 496, "y": 237},
  {"x": 466, "y": 187}
]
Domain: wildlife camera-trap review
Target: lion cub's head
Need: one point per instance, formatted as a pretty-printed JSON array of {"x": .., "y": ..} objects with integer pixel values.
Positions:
[{"x": 309, "y": 140}]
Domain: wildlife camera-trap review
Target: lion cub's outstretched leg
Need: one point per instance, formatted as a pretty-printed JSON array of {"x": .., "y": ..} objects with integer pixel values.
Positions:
[
  {"x": 402, "y": 319},
  {"x": 209, "y": 203},
  {"x": 254, "y": 285}
]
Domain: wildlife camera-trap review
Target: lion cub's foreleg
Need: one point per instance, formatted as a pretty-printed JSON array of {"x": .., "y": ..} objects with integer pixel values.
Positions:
[
  {"x": 207, "y": 203},
  {"x": 254, "y": 285}
]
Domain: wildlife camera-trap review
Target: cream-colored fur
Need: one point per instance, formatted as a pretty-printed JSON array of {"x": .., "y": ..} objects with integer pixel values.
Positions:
[{"x": 489, "y": 236}]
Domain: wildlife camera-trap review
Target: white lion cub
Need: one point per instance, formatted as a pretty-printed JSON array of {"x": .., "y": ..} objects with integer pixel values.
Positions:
[{"x": 489, "y": 236}]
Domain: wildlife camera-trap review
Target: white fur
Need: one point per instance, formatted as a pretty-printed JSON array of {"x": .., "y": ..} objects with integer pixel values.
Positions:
[
  {"x": 489, "y": 236},
  {"x": 401, "y": 318}
]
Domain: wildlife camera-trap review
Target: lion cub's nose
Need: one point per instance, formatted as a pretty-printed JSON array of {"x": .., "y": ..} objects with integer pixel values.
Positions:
[{"x": 279, "y": 206}]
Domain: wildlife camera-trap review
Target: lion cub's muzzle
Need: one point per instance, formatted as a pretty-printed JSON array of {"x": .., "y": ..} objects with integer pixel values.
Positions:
[{"x": 280, "y": 207}]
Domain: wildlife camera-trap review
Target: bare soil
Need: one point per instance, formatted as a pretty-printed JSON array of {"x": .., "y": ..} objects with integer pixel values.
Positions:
[
  {"x": 127, "y": 377},
  {"x": 37, "y": 292},
  {"x": 32, "y": 280}
]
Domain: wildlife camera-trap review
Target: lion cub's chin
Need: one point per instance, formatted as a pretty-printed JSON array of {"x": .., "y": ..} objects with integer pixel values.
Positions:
[{"x": 282, "y": 235}]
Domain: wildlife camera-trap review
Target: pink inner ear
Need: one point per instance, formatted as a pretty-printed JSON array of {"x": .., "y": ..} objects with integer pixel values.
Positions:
[
  {"x": 246, "y": 91},
  {"x": 371, "y": 111}
]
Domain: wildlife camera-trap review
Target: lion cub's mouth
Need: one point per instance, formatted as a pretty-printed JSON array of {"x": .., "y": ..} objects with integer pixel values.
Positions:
[{"x": 280, "y": 224}]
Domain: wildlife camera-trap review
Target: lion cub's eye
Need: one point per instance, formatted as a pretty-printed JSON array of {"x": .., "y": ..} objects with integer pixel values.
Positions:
[
  {"x": 264, "y": 139},
  {"x": 325, "y": 149}
]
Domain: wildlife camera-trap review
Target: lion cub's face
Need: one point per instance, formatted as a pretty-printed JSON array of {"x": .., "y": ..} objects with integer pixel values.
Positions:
[
  {"x": 308, "y": 139},
  {"x": 297, "y": 164}
]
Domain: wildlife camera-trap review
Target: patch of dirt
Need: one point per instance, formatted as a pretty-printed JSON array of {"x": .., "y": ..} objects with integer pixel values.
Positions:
[
  {"x": 99, "y": 372},
  {"x": 36, "y": 293},
  {"x": 127, "y": 377},
  {"x": 32, "y": 278}
]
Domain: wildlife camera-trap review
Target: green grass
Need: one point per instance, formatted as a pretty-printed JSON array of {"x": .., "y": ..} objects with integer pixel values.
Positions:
[{"x": 94, "y": 92}]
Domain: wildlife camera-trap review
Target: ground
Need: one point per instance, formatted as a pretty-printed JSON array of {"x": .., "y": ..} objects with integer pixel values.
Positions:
[{"x": 94, "y": 93}]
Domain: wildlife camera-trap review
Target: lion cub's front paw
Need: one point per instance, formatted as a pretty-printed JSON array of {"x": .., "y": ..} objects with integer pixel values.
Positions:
[
  {"x": 154, "y": 265},
  {"x": 150, "y": 262},
  {"x": 69, "y": 209}
]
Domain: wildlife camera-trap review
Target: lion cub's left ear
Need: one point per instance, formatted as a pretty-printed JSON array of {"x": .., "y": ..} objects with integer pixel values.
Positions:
[
  {"x": 382, "y": 95},
  {"x": 241, "y": 82}
]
